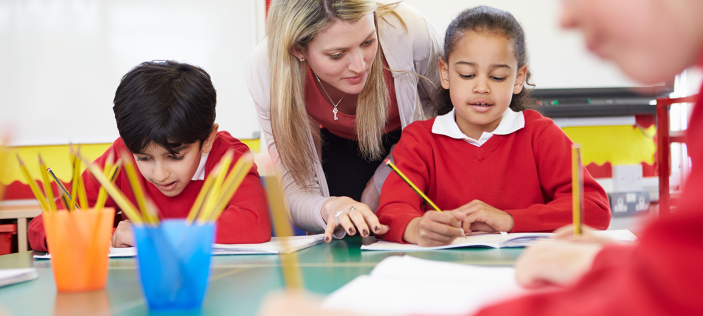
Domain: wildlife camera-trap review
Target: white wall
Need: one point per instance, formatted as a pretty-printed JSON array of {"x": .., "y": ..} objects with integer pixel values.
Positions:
[
  {"x": 557, "y": 58},
  {"x": 61, "y": 60}
]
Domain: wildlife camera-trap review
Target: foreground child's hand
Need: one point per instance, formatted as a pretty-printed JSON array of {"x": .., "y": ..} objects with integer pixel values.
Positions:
[
  {"x": 555, "y": 262},
  {"x": 587, "y": 235},
  {"x": 434, "y": 229},
  {"x": 123, "y": 237},
  {"x": 483, "y": 217}
]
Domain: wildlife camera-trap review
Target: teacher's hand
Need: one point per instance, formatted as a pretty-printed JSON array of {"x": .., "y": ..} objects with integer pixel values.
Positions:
[{"x": 352, "y": 215}]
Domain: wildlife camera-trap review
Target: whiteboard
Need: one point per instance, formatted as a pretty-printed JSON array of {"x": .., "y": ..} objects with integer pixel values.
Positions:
[
  {"x": 557, "y": 58},
  {"x": 62, "y": 60}
]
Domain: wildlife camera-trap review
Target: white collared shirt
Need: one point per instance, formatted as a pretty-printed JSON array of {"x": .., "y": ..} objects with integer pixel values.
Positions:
[
  {"x": 446, "y": 125},
  {"x": 200, "y": 172}
]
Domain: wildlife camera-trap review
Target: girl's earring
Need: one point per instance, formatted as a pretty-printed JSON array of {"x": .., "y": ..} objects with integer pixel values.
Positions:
[{"x": 301, "y": 60}]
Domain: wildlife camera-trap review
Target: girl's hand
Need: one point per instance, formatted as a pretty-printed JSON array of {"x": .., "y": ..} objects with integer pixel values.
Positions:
[
  {"x": 351, "y": 215},
  {"x": 587, "y": 235},
  {"x": 434, "y": 229},
  {"x": 480, "y": 216},
  {"x": 555, "y": 262},
  {"x": 123, "y": 238}
]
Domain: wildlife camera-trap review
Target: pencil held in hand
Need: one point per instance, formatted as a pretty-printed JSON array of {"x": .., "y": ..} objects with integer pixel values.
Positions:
[
  {"x": 415, "y": 188},
  {"x": 576, "y": 187}
]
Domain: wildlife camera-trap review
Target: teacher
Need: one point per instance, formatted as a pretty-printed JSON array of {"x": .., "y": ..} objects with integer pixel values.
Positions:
[{"x": 334, "y": 83}]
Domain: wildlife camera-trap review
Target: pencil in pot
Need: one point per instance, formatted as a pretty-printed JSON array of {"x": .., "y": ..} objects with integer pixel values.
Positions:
[
  {"x": 576, "y": 187},
  {"x": 415, "y": 188},
  {"x": 33, "y": 185},
  {"x": 47, "y": 185}
]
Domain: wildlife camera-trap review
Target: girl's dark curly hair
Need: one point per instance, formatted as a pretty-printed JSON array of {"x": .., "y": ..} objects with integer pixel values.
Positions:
[{"x": 486, "y": 19}]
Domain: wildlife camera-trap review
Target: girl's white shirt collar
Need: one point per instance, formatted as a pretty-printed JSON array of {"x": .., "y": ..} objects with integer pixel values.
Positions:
[
  {"x": 446, "y": 125},
  {"x": 200, "y": 172}
]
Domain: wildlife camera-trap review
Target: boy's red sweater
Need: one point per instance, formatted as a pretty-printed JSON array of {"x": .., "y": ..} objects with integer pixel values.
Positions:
[
  {"x": 526, "y": 173},
  {"x": 245, "y": 220}
]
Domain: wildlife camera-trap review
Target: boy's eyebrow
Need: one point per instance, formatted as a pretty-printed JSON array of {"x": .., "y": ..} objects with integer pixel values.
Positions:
[
  {"x": 493, "y": 66},
  {"x": 344, "y": 48},
  {"x": 177, "y": 150}
]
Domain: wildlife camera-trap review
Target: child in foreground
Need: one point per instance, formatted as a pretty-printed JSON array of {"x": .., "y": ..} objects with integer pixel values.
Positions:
[
  {"x": 165, "y": 113},
  {"x": 490, "y": 163}
]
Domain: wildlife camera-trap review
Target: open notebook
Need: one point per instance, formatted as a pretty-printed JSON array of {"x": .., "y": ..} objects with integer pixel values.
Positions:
[
  {"x": 296, "y": 243},
  {"x": 411, "y": 286},
  {"x": 489, "y": 240},
  {"x": 12, "y": 276}
]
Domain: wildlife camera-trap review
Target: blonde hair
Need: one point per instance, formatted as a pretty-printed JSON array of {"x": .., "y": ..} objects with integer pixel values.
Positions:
[{"x": 294, "y": 24}]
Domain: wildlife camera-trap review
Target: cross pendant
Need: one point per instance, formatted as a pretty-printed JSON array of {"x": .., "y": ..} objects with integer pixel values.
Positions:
[{"x": 335, "y": 114}]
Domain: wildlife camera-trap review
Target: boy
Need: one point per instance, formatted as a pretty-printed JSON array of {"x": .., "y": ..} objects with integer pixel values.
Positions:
[{"x": 165, "y": 113}]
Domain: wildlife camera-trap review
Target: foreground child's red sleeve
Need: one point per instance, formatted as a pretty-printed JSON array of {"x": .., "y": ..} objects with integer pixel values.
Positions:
[
  {"x": 35, "y": 232},
  {"x": 246, "y": 218},
  {"x": 552, "y": 150}
]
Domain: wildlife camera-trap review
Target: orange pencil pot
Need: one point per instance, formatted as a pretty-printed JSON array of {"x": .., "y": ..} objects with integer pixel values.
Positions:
[{"x": 79, "y": 242}]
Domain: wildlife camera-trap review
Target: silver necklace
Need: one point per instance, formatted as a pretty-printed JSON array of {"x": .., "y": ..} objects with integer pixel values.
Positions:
[{"x": 328, "y": 96}]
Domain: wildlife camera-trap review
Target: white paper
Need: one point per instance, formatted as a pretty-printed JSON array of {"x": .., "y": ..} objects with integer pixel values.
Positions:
[
  {"x": 295, "y": 243},
  {"x": 408, "y": 285},
  {"x": 12, "y": 276},
  {"x": 494, "y": 240}
]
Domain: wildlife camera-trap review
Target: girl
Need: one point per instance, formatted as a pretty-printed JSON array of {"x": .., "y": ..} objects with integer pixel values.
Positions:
[
  {"x": 510, "y": 164},
  {"x": 333, "y": 84}
]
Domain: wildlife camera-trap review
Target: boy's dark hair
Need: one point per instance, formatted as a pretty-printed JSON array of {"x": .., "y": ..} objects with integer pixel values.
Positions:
[
  {"x": 165, "y": 102},
  {"x": 486, "y": 19}
]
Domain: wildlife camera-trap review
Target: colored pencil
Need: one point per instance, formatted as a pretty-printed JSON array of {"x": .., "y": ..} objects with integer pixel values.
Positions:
[
  {"x": 150, "y": 216},
  {"x": 120, "y": 199},
  {"x": 195, "y": 209},
  {"x": 283, "y": 229},
  {"x": 231, "y": 184},
  {"x": 576, "y": 187},
  {"x": 211, "y": 199},
  {"x": 82, "y": 196},
  {"x": 33, "y": 185},
  {"x": 110, "y": 172},
  {"x": 402, "y": 176},
  {"x": 74, "y": 183},
  {"x": 4, "y": 153},
  {"x": 47, "y": 185}
]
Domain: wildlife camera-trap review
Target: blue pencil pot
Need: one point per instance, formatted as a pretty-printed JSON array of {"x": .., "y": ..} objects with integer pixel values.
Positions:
[{"x": 174, "y": 264}]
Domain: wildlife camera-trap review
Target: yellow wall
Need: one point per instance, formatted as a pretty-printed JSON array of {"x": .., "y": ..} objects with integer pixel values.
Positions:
[
  {"x": 623, "y": 144},
  {"x": 56, "y": 158}
]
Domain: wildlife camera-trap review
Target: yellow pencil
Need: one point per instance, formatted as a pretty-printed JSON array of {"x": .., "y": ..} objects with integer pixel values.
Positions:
[
  {"x": 402, "y": 176},
  {"x": 234, "y": 179},
  {"x": 127, "y": 207},
  {"x": 112, "y": 175},
  {"x": 74, "y": 182},
  {"x": 102, "y": 194},
  {"x": 4, "y": 161},
  {"x": 4, "y": 153},
  {"x": 82, "y": 196},
  {"x": 217, "y": 185},
  {"x": 193, "y": 214},
  {"x": 33, "y": 185},
  {"x": 47, "y": 185},
  {"x": 282, "y": 227},
  {"x": 149, "y": 216},
  {"x": 576, "y": 187}
]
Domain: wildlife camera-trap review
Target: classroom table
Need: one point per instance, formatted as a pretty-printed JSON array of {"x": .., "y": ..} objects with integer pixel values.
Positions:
[{"x": 238, "y": 283}]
